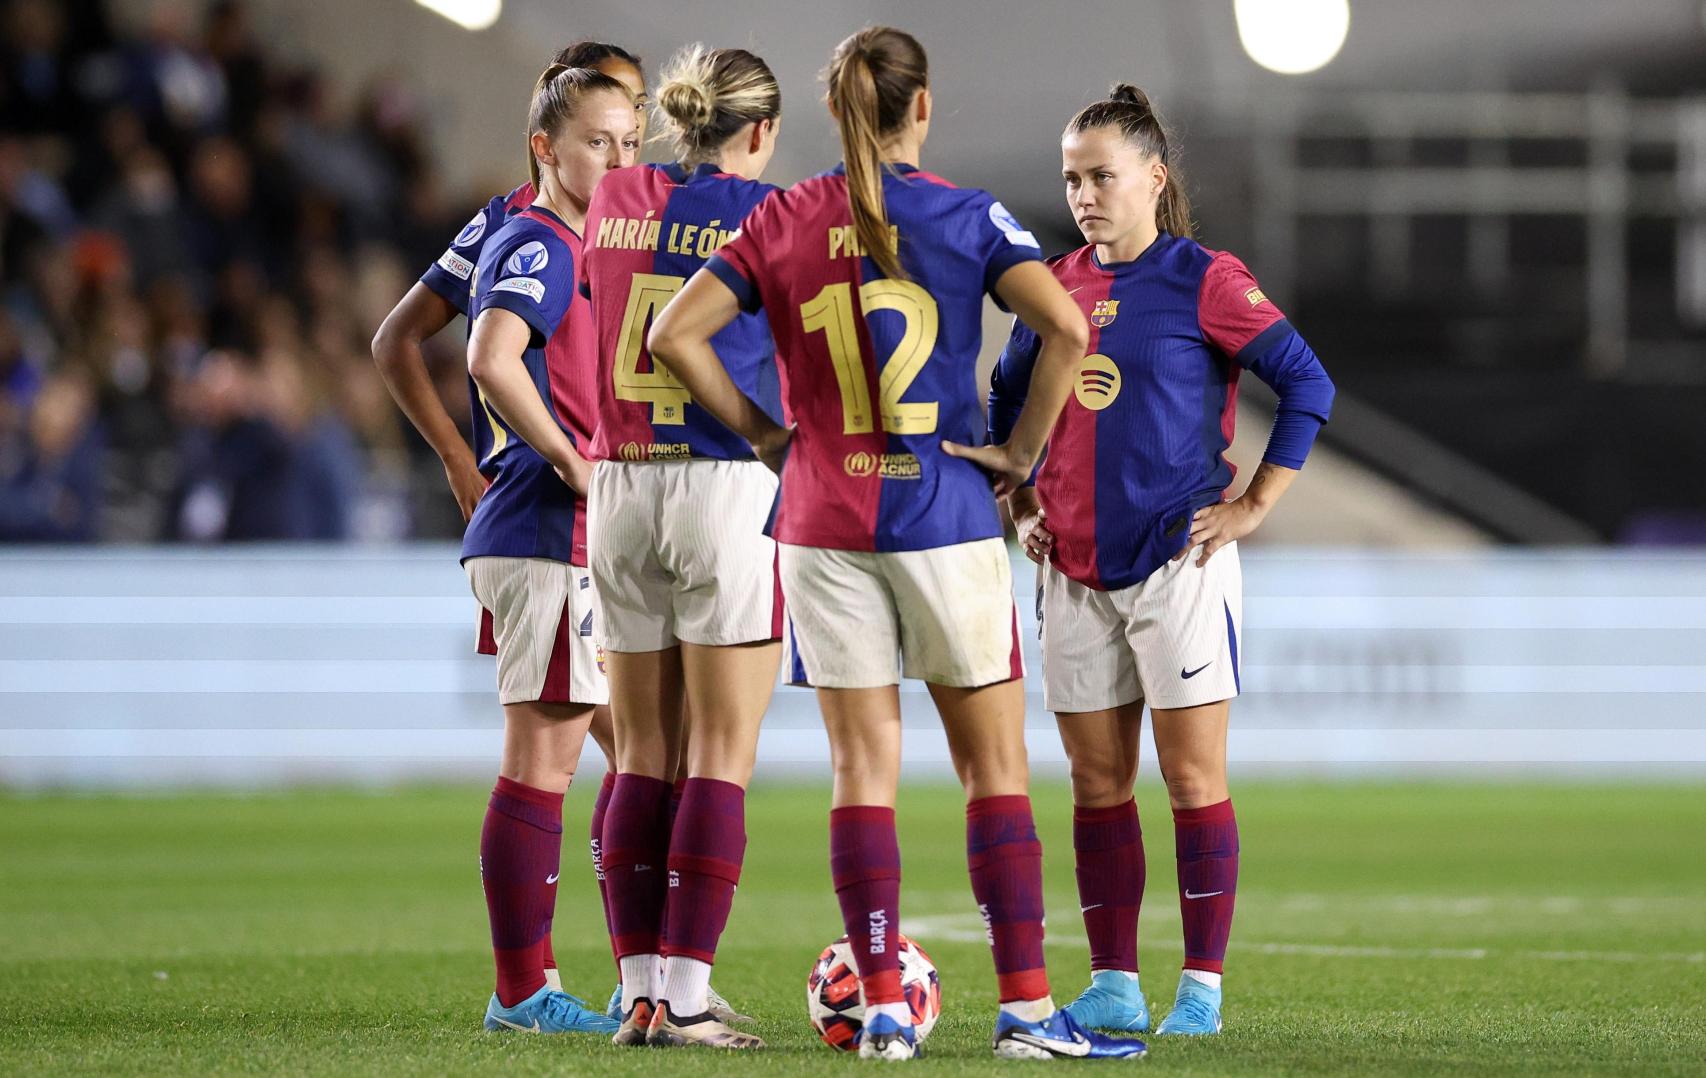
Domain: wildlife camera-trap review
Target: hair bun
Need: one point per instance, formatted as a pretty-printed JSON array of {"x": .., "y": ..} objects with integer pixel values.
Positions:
[
  {"x": 1127, "y": 94},
  {"x": 688, "y": 100}
]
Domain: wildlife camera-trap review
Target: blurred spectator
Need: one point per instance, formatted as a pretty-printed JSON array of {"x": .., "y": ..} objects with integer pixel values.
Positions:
[
  {"x": 236, "y": 476},
  {"x": 143, "y": 211},
  {"x": 36, "y": 94},
  {"x": 50, "y": 465},
  {"x": 182, "y": 320}
]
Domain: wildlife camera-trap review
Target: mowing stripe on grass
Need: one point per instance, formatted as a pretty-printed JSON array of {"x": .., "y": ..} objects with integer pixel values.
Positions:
[{"x": 964, "y": 928}]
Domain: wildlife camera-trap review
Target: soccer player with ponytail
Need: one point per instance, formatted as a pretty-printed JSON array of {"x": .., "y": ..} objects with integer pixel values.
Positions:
[
  {"x": 685, "y": 579},
  {"x": 524, "y": 549},
  {"x": 1141, "y": 595},
  {"x": 442, "y": 293},
  {"x": 873, "y": 277}
]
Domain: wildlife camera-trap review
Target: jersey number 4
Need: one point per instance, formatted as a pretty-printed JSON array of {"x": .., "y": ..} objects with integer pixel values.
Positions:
[
  {"x": 657, "y": 387},
  {"x": 831, "y": 311}
]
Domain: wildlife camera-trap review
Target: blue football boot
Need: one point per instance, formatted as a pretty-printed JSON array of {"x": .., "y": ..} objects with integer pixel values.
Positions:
[
  {"x": 1196, "y": 1010},
  {"x": 1058, "y": 1036},
  {"x": 613, "y": 1010},
  {"x": 884, "y": 1037},
  {"x": 548, "y": 1011},
  {"x": 1114, "y": 1001}
]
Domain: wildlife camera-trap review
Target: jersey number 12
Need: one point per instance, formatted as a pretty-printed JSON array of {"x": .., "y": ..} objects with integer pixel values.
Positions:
[{"x": 831, "y": 311}]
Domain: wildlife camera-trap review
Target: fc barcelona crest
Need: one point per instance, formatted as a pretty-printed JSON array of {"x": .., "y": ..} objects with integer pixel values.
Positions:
[{"x": 1106, "y": 310}]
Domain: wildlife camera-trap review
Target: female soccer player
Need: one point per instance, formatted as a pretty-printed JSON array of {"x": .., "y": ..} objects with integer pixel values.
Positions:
[
  {"x": 873, "y": 276},
  {"x": 1141, "y": 592},
  {"x": 525, "y": 544},
  {"x": 441, "y": 294},
  {"x": 685, "y": 578}
]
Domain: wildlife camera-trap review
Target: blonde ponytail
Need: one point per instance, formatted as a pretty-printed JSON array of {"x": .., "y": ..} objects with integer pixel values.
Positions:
[{"x": 872, "y": 78}]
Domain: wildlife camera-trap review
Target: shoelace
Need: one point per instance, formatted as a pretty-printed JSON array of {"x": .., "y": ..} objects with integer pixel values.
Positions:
[
  {"x": 1071, "y": 1024},
  {"x": 566, "y": 1008},
  {"x": 1196, "y": 1009}
]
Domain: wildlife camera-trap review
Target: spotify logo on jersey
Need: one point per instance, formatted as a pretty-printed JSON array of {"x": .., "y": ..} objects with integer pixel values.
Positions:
[{"x": 1098, "y": 382}]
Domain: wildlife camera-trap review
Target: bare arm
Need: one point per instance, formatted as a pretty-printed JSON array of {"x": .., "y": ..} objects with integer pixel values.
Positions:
[
  {"x": 397, "y": 352},
  {"x": 1032, "y": 293},
  {"x": 1216, "y": 525},
  {"x": 680, "y": 339},
  {"x": 494, "y": 361}
]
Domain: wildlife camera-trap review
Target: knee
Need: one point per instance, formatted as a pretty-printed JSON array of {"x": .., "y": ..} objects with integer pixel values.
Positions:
[
  {"x": 995, "y": 775},
  {"x": 864, "y": 774},
  {"x": 849, "y": 770},
  {"x": 1100, "y": 783},
  {"x": 1191, "y": 785},
  {"x": 645, "y": 752},
  {"x": 542, "y": 771}
]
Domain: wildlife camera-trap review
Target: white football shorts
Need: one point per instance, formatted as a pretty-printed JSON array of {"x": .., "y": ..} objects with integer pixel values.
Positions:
[
  {"x": 542, "y": 620},
  {"x": 1170, "y": 640},
  {"x": 860, "y": 619},
  {"x": 678, "y": 553}
]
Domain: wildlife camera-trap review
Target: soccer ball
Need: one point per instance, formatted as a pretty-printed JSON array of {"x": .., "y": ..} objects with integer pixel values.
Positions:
[{"x": 837, "y": 1006}]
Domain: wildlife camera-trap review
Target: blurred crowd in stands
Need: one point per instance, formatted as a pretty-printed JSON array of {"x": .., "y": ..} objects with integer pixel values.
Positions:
[{"x": 196, "y": 241}]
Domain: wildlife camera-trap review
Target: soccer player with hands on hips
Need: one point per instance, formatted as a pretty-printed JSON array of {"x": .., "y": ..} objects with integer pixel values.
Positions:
[
  {"x": 688, "y": 596},
  {"x": 873, "y": 276},
  {"x": 511, "y": 270},
  {"x": 1140, "y": 591}
]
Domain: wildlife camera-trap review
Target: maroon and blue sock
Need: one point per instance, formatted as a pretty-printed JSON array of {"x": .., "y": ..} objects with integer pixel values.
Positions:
[
  {"x": 864, "y": 862},
  {"x": 706, "y": 849},
  {"x": 595, "y": 842},
  {"x": 1109, "y": 846},
  {"x": 636, "y": 862},
  {"x": 1206, "y": 843},
  {"x": 676, "y": 793},
  {"x": 521, "y": 843},
  {"x": 1006, "y": 863}
]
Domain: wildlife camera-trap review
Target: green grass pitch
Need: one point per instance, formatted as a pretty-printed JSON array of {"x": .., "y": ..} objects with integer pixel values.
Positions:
[{"x": 1409, "y": 928}]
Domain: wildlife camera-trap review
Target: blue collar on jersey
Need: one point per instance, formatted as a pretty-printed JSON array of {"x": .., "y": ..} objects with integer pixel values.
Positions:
[
  {"x": 1121, "y": 267},
  {"x": 903, "y": 168},
  {"x": 677, "y": 171},
  {"x": 537, "y": 208}
]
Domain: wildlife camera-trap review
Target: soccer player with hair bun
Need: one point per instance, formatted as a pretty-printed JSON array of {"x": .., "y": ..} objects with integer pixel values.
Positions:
[
  {"x": 873, "y": 277},
  {"x": 685, "y": 580},
  {"x": 1141, "y": 596}
]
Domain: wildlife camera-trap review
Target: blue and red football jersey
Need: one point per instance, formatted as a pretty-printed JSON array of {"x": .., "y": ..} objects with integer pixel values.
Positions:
[
  {"x": 452, "y": 277},
  {"x": 1141, "y": 443},
  {"x": 528, "y": 269},
  {"x": 649, "y": 228},
  {"x": 878, "y": 372}
]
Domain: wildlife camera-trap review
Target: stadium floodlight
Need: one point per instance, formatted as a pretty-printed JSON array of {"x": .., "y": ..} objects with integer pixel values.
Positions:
[
  {"x": 1292, "y": 37},
  {"x": 468, "y": 14}
]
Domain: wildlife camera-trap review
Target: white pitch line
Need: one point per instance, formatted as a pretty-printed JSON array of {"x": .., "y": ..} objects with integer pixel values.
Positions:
[{"x": 956, "y": 928}]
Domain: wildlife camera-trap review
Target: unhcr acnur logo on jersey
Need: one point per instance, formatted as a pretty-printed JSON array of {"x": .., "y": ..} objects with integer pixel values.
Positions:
[{"x": 861, "y": 464}]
